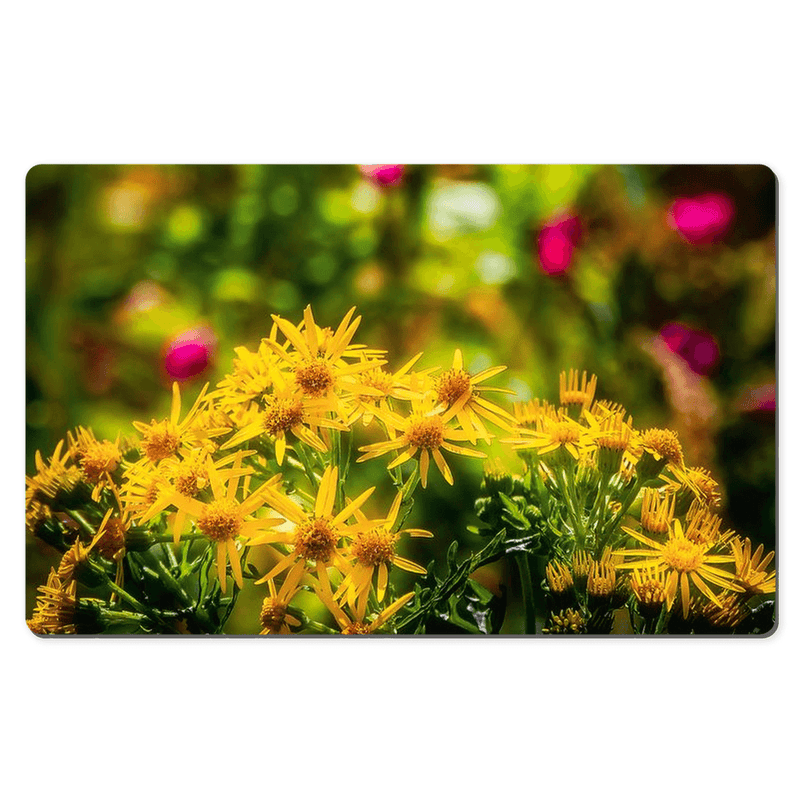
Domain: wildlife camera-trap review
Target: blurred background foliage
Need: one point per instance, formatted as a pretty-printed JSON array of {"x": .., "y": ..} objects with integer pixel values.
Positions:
[{"x": 659, "y": 279}]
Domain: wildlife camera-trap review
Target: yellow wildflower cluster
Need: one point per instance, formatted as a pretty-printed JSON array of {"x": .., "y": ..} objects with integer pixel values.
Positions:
[
  {"x": 217, "y": 473},
  {"x": 629, "y": 490}
]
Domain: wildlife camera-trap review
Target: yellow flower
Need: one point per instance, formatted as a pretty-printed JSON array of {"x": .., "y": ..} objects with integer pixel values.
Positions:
[
  {"x": 163, "y": 439},
  {"x": 530, "y": 413},
  {"x": 686, "y": 563},
  {"x": 55, "y": 607},
  {"x": 649, "y": 587},
  {"x": 561, "y": 438},
  {"x": 251, "y": 377},
  {"x": 317, "y": 360},
  {"x": 657, "y": 512},
  {"x": 378, "y": 387},
  {"x": 657, "y": 448},
  {"x": 275, "y": 617},
  {"x": 456, "y": 387},
  {"x": 286, "y": 410},
  {"x": 53, "y": 478},
  {"x": 576, "y": 392},
  {"x": 224, "y": 519},
  {"x": 356, "y": 624},
  {"x": 149, "y": 491},
  {"x": 559, "y": 578},
  {"x": 97, "y": 459},
  {"x": 373, "y": 548},
  {"x": 752, "y": 573},
  {"x": 425, "y": 432},
  {"x": 314, "y": 537}
]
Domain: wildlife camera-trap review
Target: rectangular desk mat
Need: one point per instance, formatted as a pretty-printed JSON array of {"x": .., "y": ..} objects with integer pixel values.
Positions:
[{"x": 400, "y": 400}]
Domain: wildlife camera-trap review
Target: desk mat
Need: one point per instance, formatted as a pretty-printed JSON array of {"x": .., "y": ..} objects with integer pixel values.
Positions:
[{"x": 401, "y": 400}]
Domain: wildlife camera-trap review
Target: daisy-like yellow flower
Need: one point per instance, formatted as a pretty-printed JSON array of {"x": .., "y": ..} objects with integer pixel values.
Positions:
[
  {"x": 576, "y": 391},
  {"x": 225, "y": 519},
  {"x": 658, "y": 511},
  {"x": 686, "y": 563},
  {"x": 317, "y": 360},
  {"x": 55, "y": 606},
  {"x": 649, "y": 587},
  {"x": 150, "y": 488},
  {"x": 426, "y": 432},
  {"x": 559, "y": 578},
  {"x": 356, "y": 624},
  {"x": 286, "y": 410},
  {"x": 163, "y": 439},
  {"x": 657, "y": 448},
  {"x": 611, "y": 435},
  {"x": 54, "y": 478},
  {"x": 97, "y": 459},
  {"x": 383, "y": 387},
  {"x": 456, "y": 387},
  {"x": 275, "y": 617},
  {"x": 315, "y": 536},
  {"x": 251, "y": 378},
  {"x": 529, "y": 414},
  {"x": 374, "y": 549},
  {"x": 752, "y": 568},
  {"x": 560, "y": 438}
]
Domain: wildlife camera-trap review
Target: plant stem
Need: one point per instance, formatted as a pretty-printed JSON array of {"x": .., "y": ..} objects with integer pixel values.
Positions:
[{"x": 521, "y": 560}]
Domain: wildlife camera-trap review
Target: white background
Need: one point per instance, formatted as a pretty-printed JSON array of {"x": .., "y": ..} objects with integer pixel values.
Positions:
[{"x": 424, "y": 82}]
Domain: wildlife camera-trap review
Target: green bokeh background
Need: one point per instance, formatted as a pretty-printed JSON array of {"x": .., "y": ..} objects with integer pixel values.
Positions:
[{"x": 120, "y": 259}]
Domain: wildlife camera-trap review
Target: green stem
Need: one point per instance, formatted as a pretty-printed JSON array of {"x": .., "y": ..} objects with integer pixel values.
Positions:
[{"x": 521, "y": 560}]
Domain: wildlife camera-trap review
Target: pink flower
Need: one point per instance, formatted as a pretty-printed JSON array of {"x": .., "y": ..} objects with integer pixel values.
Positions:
[
  {"x": 760, "y": 400},
  {"x": 556, "y": 243},
  {"x": 383, "y": 174},
  {"x": 699, "y": 349},
  {"x": 190, "y": 353},
  {"x": 703, "y": 219}
]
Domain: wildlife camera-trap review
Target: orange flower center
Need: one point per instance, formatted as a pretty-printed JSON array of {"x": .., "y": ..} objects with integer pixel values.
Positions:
[
  {"x": 273, "y": 613},
  {"x": 451, "y": 385},
  {"x": 316, "y": 540},
  {"x": 374, "y": 546},
  {"x": 221, "y": 520},
  {"x": 683, "y": 555},
  {"x": 282, "y": 415},
  {"x": 161, "y": 441},
  {"x": 425, "y": 432},
  {"x": 314, "y": 378}
]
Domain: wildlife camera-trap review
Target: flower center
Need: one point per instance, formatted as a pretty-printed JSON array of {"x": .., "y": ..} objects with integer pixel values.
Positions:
[
  {"x": 665, "y": 444},
  {"x": 565, "y": 432},
  {"x": 316, "y": 540},
  {"x": 220, "y": 520},
  {"x": 356, "y": 628},
  {"x": 273, "y": 612},
  {"x": 377, "y": 379},
  {"x": 282, "y": 415},
  {"x": 425, "y": 432},
  {"x": 683, "y": 555},
  {"x": 189, "y": 479},
  {"x": 374, "y": 546},
  {"x": 451, "y": 385},
  {"x": 160, "y": 441},
  {"x": 314, "y": 378},
  {"x": 98, "y": 458}
]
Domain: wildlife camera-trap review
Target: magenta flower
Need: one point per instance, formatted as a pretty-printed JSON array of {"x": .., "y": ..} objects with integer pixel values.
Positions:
[
  {"x": 190, "y": 353},
  {"x": 383, "y": 174},
  {"x": 703, "y": 219},
  {"x": 760, "y": 400},
  {"x": 556, "y": 243},
  {"x": 699, "y": 349}
]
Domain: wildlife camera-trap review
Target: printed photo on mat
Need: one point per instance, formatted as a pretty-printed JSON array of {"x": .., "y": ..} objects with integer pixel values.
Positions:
[{"x": 401, "y": 400}]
